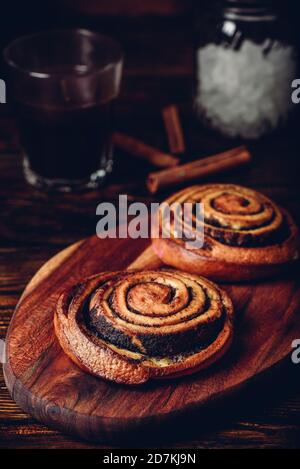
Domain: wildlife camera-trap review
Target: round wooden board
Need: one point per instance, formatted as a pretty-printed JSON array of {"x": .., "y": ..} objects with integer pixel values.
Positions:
[{"x": 45, "y": 383}]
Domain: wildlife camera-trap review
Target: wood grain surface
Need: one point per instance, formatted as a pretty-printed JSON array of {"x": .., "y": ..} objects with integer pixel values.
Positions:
[
  {"x": 45, "y": 383},
  {"x": 35, "y": 226}
]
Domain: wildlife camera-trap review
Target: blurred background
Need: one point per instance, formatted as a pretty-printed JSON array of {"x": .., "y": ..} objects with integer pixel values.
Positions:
[
  {"x": 157, "y": 36},
  {"x": 160, "y": 40}
]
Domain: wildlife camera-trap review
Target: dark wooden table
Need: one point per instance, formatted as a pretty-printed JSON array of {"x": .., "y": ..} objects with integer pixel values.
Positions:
[{"x": 34, "y": 226}]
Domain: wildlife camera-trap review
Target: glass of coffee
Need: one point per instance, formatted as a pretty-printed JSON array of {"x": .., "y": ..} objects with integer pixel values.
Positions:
[{"x": 64, "y": 85}]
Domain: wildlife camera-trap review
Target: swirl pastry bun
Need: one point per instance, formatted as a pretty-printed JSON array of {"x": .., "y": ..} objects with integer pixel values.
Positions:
[
  {"x": 129, "y": 327},
  {"x": 246, "y": 235}
]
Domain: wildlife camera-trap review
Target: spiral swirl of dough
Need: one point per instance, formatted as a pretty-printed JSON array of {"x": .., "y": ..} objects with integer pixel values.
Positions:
[
  {"x": 153, "y": 318},
  {"x": 233, "y": 215}
]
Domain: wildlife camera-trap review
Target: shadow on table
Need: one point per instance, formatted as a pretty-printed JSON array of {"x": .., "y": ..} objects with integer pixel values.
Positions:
[{"x": 255, "y": 404}]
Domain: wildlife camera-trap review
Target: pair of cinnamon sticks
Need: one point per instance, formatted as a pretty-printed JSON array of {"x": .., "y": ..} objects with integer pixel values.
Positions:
[{"x": 173, "y": 172}]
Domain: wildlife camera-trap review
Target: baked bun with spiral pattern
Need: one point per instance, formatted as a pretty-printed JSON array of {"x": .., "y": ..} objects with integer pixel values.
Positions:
[
  {"x": 129, "y": 327},
  {"x": 246, "y": 235}
]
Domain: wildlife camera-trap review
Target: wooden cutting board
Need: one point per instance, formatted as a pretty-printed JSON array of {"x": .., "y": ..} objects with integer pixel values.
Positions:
[{"x": 45, "y": 383}]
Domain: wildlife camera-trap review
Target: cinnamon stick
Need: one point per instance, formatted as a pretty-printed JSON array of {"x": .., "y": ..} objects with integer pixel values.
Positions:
[
  {"x": 142, "y": 150},
  {"x": 197, "y": 169},
  {"x": 173, "y": 129}
]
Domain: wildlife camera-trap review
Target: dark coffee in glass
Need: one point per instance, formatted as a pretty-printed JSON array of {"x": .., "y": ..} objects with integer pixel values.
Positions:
[{"x": 64, "y": 87}]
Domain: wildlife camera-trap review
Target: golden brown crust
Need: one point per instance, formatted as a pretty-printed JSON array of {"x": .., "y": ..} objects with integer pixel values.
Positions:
[
  {"x": 246, "y": 236},
  {"x": 116, "y": 325}
]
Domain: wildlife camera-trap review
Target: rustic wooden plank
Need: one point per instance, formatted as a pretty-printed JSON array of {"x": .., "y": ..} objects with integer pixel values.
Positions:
[
  {"x": 241, "y": 435},
  {"x": 52, "y": 223}
]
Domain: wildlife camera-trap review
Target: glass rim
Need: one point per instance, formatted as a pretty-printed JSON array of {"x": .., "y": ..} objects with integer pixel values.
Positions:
[{"x": 74, "y": 73}]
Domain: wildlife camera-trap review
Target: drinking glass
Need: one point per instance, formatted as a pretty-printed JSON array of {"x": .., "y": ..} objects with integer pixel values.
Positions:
[{"x": 64, "y": 84}]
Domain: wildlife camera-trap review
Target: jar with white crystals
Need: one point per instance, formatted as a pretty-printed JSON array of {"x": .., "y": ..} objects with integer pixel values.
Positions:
[{"x": 244, "y": 69}]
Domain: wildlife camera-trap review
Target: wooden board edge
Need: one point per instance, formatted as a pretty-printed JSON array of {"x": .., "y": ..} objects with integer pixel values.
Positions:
[
  {"x": 47, "y": 267},
  {"x": 108, "y": 430}
]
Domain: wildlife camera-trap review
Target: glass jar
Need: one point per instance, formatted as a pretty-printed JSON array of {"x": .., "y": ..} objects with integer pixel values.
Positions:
[{"x": 244, "y": 67}]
